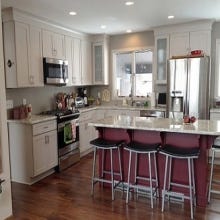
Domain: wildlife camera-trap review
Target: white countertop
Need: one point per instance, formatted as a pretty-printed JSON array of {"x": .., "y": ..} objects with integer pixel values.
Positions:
[
  {"x": 121, "y": 107},
  {"x": 34, "y": 119},
  {"x": 203, "y": 127}
]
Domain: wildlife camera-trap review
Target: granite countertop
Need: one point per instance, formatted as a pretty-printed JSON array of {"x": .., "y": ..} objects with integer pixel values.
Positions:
[
  {"x": 118, "y": 107},
  {"x": 34, "y": 119},
  {"x": 204, "y": 127}
]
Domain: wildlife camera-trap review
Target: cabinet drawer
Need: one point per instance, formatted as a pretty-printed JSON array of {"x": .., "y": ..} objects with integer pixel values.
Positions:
[
  {"x": 87, "y": 116},
  {"x": 44, "y": 127}
]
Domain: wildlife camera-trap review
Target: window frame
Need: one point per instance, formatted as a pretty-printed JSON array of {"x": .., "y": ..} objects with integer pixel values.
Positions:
[{"x": 129, "y": 50}]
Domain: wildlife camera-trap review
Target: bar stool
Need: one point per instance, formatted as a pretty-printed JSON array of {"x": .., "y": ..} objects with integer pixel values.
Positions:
[
  {"x": 188, "y": 154},
  {"x": 105, "y": 145},
  {"x": 149, "y": 150},
  {"x": 215, "y": 149}
]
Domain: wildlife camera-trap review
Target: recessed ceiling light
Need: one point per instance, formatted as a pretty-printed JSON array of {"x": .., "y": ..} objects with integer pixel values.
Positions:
[
  {"x": 129, "y": 3},
  {"x": 129, "y": 31},
  {"x": 103, "y": 26},
  {"x": 72, "y": 13},
  {"x": 171, "y": 17}
]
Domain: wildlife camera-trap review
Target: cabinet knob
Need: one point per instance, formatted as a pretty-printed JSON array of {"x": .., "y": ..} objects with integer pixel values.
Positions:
[{"x": 10, "y": 63}]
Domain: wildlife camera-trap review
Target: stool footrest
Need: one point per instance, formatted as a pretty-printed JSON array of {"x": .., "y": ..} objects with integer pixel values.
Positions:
[
  {"x": 215, "y": 191},
  {"x": 180, "y": 185},
  {"x": 175, "y": 194},
  {"x": 145, "y": 178},
  {"x": 109, "y": 172}
]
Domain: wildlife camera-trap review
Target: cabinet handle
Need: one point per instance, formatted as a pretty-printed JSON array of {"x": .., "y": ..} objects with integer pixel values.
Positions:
[
  {"x": 45, "y": 127},
  {"x": 1, "y": 181},
  {"x": 31, "y": 78},
  {"x": 47, "y": 139},
  {"x": 54, "y": 52}
]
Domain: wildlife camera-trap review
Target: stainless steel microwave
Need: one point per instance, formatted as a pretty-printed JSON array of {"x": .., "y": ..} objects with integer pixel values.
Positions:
[{"x": 55, "y": 71}]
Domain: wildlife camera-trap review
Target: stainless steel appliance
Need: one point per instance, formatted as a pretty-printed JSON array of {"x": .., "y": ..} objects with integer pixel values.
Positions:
[
  {"x": 188, "y": 87},
  {"x": 55, "y": 71},
  {"x": 68, "y": 137}
]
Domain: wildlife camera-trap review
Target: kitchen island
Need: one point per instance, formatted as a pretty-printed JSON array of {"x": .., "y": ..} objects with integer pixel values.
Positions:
[{"x": 165, "y": 131}]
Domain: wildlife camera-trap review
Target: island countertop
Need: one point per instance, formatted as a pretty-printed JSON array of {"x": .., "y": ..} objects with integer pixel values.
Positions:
[{"x": 202, "y": 127}]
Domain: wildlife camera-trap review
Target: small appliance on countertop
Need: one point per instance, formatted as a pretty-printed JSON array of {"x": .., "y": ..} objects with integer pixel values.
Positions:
[{"x": 79, "y": 102}]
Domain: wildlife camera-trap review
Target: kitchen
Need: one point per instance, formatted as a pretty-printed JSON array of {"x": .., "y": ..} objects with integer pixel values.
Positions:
[{"x": 42, "y": 98}]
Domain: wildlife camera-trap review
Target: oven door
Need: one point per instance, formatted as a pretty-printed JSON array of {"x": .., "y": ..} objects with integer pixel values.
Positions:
[{"x": 68, "y": 133}]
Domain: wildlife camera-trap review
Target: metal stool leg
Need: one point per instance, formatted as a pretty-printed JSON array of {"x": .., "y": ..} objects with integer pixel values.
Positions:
[
  {"x": 156, "y": 176},
  {"x": 164, "y": 184},
  {"x": 190, "y": 187},
  {"x": 193, "y": 182},
  {"x": 119, "y": 159},
  {"x": 93, "y": 170},
  {"x": 151, "y": 186},
  {"x": 112, "y": 174},
  {"x": 211, "y": 175},
  {"x": 129, "y": 173}
]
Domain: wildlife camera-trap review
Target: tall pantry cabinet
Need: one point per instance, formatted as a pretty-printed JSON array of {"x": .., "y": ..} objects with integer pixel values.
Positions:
[{"x": 22, "y": 51}]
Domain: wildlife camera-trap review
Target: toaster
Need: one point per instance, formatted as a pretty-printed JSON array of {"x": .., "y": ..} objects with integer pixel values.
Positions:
[{"x": 79, "y": 102}]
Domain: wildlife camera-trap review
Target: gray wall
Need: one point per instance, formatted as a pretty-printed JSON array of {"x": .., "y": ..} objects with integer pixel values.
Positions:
[
  {"x": 41, "y": 99},
  {"x": 125, "y": 41}
]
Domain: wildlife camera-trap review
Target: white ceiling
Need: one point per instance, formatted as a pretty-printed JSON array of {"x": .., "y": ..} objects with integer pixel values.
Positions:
[{"x": 117, "y": 17}]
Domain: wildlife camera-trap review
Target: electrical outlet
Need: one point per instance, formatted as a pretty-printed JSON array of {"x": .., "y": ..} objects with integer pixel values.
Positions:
[
  {"x": 9, "y": 104},
  {"x": 24, "y": 101}
]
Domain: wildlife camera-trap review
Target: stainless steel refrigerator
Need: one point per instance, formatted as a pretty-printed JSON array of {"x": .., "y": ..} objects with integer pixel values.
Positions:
[{"x": 188, "y": 87}]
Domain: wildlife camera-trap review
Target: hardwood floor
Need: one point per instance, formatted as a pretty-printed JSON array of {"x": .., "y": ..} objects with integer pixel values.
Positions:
[{"x": 66, "y": 195}]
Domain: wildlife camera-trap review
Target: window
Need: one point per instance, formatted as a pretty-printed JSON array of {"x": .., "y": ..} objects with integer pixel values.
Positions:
[{"x": 133, "y": 73}]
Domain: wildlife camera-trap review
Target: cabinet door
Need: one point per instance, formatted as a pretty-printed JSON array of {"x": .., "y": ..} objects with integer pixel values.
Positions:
[
  {"x": 39, "y": 154},
  {"x": 36, "y": 58},
  {"x": 162, "y": 54},
  {"x": 98, "y": 62},
  {"x": 201, "y": 40},
  {"x": 86, "y": 63},
  {"x": 69, "y": 57},
  {"x": 52, "y": 149},
  {"x": 45, "y": 152},
  {"x": 58, "y": 46},
  {"x": 22, "y": 44},
  {"x": 77, "y": 57},
  {"x": 47, "y": 44},
  {"x": 179, "y": 44}
]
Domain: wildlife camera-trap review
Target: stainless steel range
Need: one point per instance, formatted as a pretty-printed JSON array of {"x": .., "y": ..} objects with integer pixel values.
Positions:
[{"x": 68, "y": 137}]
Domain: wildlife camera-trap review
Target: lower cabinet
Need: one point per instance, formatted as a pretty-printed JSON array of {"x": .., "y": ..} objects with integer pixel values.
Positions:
[
  {"x": 86, "y": 133},
  {"x": 44, "y": 152},
  {"x": 33, "y": 150}
]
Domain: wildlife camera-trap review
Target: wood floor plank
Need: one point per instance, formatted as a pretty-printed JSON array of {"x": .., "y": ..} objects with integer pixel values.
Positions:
[{"x": 66, "y": 195}]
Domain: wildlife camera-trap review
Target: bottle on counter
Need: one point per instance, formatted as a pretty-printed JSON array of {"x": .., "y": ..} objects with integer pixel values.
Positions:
[
  {"x": 29, "y": 110},
  {"x": 85, "y": 97}
]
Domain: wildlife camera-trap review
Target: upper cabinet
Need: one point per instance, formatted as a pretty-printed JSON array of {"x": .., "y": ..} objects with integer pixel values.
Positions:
[
  {"x": 73, "y": 55},
  {"x": 53, "y": 45},
  {"x": 161, "y": 56},
  {"x": 179, "y": 40},
  {"x": 86, "y": 49},
  {"x": 185, "y": 42},
  {"x": 23, "y": 55},
  {"x": 100, "y": 60}
]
